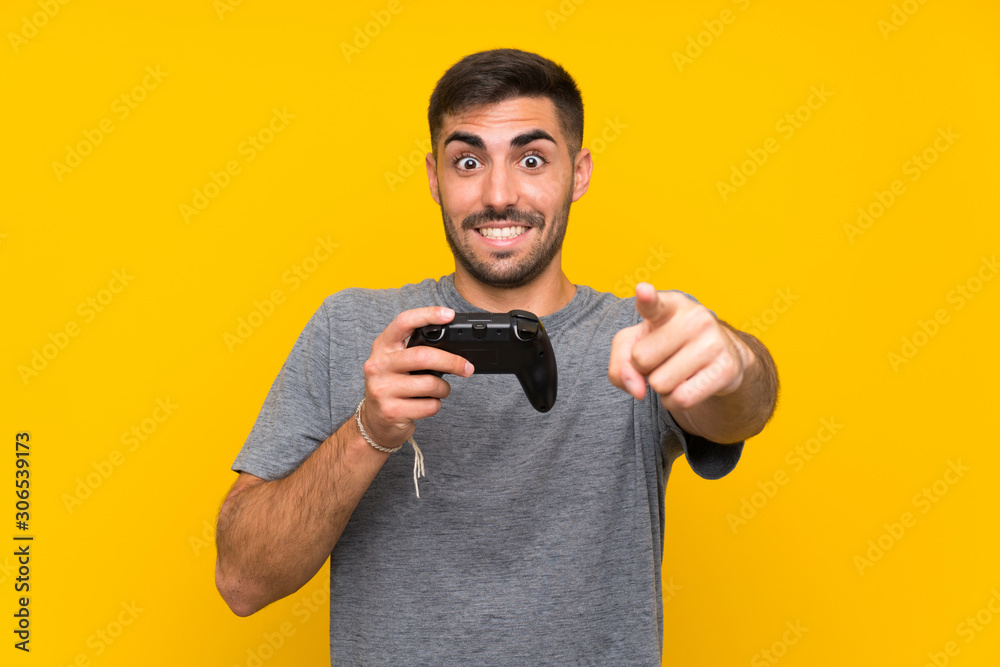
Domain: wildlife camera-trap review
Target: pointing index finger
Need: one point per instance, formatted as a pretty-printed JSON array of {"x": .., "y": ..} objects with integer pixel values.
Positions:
[{"x": 651, "y": 304}]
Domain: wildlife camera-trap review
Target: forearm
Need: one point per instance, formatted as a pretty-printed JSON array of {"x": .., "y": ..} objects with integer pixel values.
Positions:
[
  {"x": 272, "y": 537},
  {"x": 743, "y": 413}
]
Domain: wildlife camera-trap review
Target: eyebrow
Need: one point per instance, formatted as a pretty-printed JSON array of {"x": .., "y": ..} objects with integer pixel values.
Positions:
[
  {"x": 520, "y": 140},
  {"x": 527, "y": 137}
]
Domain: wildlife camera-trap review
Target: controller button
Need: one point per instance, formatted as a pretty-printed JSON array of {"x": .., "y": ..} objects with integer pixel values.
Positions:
[
  {"x": 525, "y": 329},
  {"x": 479, "y": 330},
  {"x": 433, "y": 333},
  {"x": 523, "y": 314}
]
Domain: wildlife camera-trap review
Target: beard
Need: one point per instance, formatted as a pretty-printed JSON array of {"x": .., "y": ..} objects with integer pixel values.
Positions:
[{"x": 502, "y": 270}]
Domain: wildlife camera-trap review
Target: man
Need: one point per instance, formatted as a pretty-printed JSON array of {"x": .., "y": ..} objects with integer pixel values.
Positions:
[{"x": 537, "y": 538}]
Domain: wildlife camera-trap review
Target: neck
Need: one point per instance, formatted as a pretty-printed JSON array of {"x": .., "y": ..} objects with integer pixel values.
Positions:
[{"x": 546, "y": 294}]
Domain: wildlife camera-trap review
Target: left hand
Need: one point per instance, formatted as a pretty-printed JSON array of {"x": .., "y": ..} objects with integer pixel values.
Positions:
[{"x": 680, "y": 347}]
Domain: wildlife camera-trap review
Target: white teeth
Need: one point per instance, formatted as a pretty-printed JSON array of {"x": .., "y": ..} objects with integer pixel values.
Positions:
[{"x": 503, "y": 232}]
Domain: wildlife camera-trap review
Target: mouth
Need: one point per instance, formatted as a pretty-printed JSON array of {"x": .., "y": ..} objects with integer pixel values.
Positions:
[{"x": 502, "y": 233}]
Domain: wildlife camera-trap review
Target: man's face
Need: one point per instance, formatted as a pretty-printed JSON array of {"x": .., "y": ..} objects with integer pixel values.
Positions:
[{"x": 504, "y": 180}]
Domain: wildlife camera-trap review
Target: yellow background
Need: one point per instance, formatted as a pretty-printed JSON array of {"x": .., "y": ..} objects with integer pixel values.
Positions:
[{"x": 143, "y": 535}]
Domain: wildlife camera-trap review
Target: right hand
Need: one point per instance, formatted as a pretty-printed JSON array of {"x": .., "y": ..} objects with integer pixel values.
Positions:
[{"x": 394, "y": 399}]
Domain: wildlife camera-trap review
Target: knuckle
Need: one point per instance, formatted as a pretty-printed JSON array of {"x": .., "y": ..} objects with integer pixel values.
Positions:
[
  {"x": 683, "y": 400},
  {"x": 721, "y": 367},
  {"x": 427, "y": 385},
  {"x": 444, "y": 389},
  {"x": 669, "y": 299},
  {"x": 716, "y": 348},
  {"x": 641, "y": 357},
  {"x": 433, "y": 406},
  {"x": 659, "y": 384},
  {"x": 423, "y": 355},
  {"x": 378, "y": 391},
  {"x": 703, "y": 318},
  {"x": 377, "y": 364},
  {"x": 724, "y": 362},
  {"x": 390, "y": 412}
]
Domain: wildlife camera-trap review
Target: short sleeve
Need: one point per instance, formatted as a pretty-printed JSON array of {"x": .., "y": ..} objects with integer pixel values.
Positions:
[
  {"x": 708, "y": 460},
  {"x": 296, "y": 416}
]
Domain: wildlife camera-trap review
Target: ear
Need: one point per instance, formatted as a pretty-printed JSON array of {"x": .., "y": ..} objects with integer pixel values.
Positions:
[
  {"x": 432, "y": 177},
  {"x": 583, "y": 165}
]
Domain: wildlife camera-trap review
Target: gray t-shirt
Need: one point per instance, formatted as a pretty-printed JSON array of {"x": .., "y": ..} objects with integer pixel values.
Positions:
[{"x": 537, "y": 538}]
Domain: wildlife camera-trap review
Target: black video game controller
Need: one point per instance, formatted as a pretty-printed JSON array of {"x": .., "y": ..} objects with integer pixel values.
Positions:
[{"x": 513, "y": 342}]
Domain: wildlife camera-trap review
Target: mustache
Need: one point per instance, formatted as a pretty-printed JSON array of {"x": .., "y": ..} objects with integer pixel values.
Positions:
[{"x": 507, "y": 215}]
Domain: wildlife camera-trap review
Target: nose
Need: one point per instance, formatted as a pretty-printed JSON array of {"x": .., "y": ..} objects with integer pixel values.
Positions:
[{"x": 500, "y": 188}]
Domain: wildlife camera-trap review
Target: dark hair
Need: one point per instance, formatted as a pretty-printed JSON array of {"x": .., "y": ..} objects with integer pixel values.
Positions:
[{"x": 490, "y": 77}]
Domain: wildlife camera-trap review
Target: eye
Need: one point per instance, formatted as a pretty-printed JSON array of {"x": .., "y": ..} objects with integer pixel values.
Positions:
[
  {"x": 466, "y": 162},
  {"x": 532, "y": 161}
]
